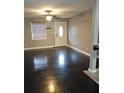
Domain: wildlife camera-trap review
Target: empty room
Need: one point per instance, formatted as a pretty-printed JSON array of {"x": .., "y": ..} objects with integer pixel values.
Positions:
[{"x": 61, "y": 46}]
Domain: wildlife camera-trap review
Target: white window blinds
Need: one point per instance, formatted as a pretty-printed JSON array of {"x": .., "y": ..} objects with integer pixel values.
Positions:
[{"x": 38, "y": 31}]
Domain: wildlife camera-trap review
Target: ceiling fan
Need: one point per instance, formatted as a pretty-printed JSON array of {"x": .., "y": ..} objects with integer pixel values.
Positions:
[{"x": 49, "y": 16}]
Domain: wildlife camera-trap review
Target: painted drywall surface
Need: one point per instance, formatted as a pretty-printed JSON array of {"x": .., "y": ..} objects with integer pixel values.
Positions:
[
  {"x": 29, "y": 43},
  {"x": 79, "y": 31}
]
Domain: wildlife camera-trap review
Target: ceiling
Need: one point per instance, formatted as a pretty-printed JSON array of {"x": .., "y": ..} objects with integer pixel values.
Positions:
[{"x": 61, "y": 8}]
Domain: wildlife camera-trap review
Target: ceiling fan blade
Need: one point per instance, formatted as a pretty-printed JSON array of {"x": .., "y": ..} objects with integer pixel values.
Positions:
[
  {"x": 48, "y": 14},
  {"x": 56, "y": 17}
]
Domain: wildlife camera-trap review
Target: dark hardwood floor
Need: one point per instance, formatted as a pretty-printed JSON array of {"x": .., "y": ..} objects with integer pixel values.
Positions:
[{"x": 57, "y": 70}]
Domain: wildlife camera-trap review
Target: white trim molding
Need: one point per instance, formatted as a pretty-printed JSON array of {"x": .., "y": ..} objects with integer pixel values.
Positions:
[
  {"x": 32, "y": 48},
  {"x": 81, "y": 51},
  {"x": 92, "y": 71}
]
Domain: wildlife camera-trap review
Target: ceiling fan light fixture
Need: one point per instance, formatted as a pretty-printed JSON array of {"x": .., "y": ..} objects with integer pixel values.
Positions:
[{"x": 49, "y": 17}]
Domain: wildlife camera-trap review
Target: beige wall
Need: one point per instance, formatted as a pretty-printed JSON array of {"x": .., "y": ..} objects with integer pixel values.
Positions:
[
  {"x": 79, "y": 31},
  {"x": 29, "y": 43}
]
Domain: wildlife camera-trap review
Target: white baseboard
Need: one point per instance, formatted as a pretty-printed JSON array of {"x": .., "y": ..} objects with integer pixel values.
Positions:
[
  {"x": 83, "y": 52},
  {"x": 32, "y": 48}
]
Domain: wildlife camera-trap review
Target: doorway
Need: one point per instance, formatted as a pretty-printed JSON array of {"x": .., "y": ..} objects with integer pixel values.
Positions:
[{"x": 60, "y": 34}]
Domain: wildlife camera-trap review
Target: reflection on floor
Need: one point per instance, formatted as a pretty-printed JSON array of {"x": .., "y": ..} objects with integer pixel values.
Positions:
[
  {"x": 57, "y": 70},
  {"x": 94, "y": 76}
]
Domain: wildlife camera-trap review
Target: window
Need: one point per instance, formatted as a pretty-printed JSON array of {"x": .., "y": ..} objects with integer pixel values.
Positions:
[
  {"x": 38, "y": 31},
  {"x": 61, "y": 31}
]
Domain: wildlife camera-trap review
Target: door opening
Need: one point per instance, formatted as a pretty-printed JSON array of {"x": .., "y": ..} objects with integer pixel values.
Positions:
[{"x": 60, "y": 34}]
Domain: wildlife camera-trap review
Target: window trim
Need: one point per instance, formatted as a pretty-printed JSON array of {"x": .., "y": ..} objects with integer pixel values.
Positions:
[{"x": 32, "y": 31}]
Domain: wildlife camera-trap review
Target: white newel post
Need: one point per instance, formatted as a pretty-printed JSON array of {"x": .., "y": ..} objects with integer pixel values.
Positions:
[{"x": 95, "y": 33}]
